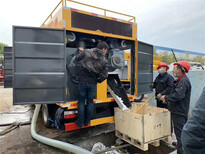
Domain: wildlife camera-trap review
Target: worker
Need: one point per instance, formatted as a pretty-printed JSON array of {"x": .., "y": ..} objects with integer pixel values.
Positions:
[
  {"x": 163, "y": 84},
  {"x": 94, "y": 70},
  {"x": 179, "y": 99},
  {"x": 193, "y": 133}
]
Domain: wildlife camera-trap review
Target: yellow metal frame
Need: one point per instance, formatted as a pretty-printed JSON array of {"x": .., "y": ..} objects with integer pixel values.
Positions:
[{"x": 102, "y": 121}]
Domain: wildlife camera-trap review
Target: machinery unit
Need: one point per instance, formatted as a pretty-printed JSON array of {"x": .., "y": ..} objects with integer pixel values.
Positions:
[{"x": 45, "y": 71}]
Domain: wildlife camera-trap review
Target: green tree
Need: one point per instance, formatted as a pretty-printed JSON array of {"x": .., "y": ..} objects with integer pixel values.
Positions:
[
  {"x": 199, "y": 59},
  {"x": 155, "y": 52},
  {"x": 2, "y": 45},
  {"x": 187, "y": 56},
  {"x": 167, "y": 57}
]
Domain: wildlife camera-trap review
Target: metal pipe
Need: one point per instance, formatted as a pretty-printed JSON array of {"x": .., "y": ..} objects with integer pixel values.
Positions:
[{"x": 54, "y": 143}]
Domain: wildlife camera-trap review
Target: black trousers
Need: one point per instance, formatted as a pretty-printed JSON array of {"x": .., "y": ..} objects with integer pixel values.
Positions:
[{"x": 178, "y": 121}]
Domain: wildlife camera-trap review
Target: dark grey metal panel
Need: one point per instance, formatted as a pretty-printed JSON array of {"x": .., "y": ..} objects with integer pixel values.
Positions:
[
  {"x": 145, "y": 67},
  {"x": 40, "y": 68},
  {"x": 39, "y": 96},
  {"x": 8, "y": 67},
  {"x": 39, "y": 51},
  {"x": 39, "y": 81},
  {"x": 39, "y": 65}
]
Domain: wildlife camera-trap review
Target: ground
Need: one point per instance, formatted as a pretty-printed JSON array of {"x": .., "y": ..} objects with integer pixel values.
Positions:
[{"x": 20, "y": 141}]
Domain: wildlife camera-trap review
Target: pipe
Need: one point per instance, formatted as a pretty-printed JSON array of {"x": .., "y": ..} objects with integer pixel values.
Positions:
[{"x": 51, "y": 142}]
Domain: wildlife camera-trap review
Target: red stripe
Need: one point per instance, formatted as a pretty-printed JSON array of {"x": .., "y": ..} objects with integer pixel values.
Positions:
[
  {"x": 131, "y": 23},
  {"x": 112, "y": 100},
  {"x": 73, "y": 126},
  {"x": 75, "y": 104},
  {"x": 72, "y": 9},
  {"x": 94, "y": 14},
  {"x": 114, "y": 19},
  {"x": 70, "y": 116}
]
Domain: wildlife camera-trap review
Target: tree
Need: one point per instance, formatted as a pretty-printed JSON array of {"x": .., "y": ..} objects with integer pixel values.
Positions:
[
  {"x": 187, "y": 56},
  {"x": 2, "y": 45},
  {"x": 155, "y": 52},
  {"x": 167, "y": 57},
  {"x": 199, "y": 59}
]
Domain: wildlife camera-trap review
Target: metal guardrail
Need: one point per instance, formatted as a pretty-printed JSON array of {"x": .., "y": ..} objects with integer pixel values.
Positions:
[{"x": 64, "y": 4}]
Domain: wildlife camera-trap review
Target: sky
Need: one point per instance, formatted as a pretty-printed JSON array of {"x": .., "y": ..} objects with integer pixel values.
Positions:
[{"x": 178, "y": 24}]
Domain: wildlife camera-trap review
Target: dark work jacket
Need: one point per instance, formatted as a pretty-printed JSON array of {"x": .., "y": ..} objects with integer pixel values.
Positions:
[
  {"x": 179, "y": 98},
  {"x": 94, "y": 66},
  {"x": 163, "y": 83},
  {"x": 193, "y": 134}
]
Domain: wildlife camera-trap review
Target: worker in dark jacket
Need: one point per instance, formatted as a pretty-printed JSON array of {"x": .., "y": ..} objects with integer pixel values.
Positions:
[
  {"x": 94, "y": 70},
  {"x": 179, "y": 99},
  {"x": 163, "y": 84},
  {"x": 193, "y": 133}
]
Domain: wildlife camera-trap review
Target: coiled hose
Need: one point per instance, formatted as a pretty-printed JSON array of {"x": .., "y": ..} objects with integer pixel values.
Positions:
[{"x": 51, "y": 142}]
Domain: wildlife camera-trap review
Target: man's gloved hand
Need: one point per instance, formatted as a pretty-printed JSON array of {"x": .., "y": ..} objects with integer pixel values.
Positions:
[
  {"x": 151, "y": 85},
  {"x": 159, "y": 96}
]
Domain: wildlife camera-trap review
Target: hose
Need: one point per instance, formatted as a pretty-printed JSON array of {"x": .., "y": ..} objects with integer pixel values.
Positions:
[{"x": 51, "y": 142}]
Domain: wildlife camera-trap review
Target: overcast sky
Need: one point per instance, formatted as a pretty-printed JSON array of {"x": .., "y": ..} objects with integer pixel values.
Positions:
[{"x": 176, "y": 24}]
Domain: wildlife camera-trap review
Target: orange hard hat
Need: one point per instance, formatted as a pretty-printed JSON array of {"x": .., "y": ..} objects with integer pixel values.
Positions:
[
  {"x": 185, "y": 64},
  {"x": 162, "y": 64}
]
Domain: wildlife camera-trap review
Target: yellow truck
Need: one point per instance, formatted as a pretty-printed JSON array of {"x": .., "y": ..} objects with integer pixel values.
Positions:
[{"x": 44, "y": 71}]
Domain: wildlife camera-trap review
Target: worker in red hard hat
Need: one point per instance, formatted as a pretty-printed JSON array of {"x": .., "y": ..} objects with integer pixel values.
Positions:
[
  {"x": 179, "y": 99},
  {"x": 163, "y": 84}
]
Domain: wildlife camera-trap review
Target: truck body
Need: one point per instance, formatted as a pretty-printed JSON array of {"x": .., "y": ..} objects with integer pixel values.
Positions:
[{"x": 44, "y": 71}]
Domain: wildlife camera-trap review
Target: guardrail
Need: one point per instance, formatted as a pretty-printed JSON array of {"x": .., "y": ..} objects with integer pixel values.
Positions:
[{"x": 64, "y": 4}]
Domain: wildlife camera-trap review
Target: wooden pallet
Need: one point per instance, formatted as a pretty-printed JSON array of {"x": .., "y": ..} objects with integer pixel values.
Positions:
[{"x": 142, "y": 146}]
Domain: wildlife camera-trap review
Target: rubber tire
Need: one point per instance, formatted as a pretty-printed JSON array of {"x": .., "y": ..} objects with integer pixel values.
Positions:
[
  {"x": 139, "y": 98},
  {"x": 45, "y": 116}
]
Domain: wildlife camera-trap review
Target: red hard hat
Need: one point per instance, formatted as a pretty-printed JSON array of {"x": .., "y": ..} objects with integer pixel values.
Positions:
[
  {"x": 162, "y": 64},
  {"x": 185, "y": 64}
]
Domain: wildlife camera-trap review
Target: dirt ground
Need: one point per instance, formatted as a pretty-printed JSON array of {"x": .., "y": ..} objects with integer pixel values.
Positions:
[
  {"x": 5, "y": 98},
  {"x": 19, "y": 141}
]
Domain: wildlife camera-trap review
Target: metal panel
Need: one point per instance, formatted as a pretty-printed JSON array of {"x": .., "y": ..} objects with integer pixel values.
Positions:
[
  {"x": 145, "y": 67},
  {"x": 39, "y": 60},
  {"x": 8, "y": 70},
  {"x": 89, "y": 22}
]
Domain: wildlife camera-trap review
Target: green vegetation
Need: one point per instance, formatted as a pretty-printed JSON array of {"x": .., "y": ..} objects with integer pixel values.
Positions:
[
  {"x": 168, "y": 57},
  {"x": 2, "y": 45}
]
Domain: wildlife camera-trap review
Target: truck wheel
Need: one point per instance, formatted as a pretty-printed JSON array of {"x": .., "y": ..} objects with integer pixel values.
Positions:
[
  {"x": 45, "y": 115},
  {"x": 139, "y": 98}
]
